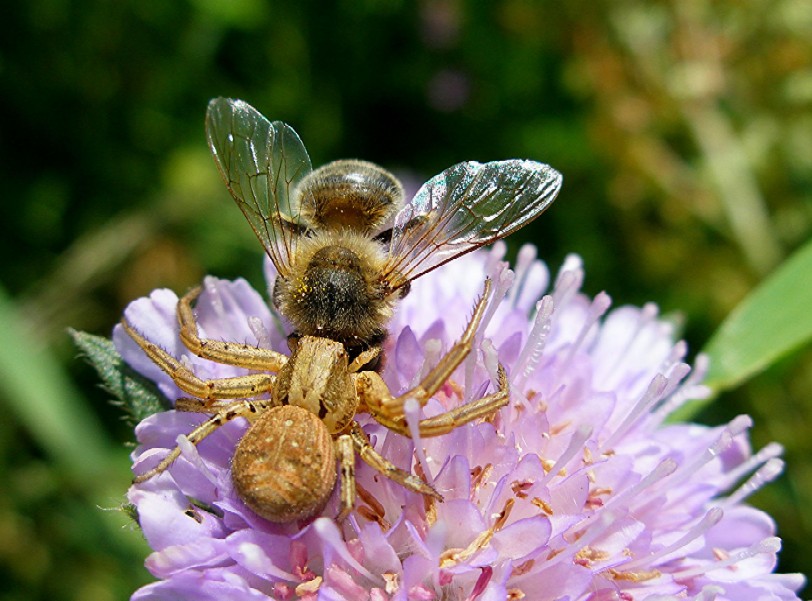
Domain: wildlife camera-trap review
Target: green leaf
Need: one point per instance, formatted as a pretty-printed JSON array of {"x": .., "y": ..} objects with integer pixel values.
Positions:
[
  {"x": 38, "y": 392},
  {"x": 774, "y": 320},
  {"x": 139, "y": 396}
]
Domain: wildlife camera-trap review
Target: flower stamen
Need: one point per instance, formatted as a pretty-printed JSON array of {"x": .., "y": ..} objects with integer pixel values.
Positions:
[
  {"x": 543, "y": 505},
  {"x": 373, "y": 510},
  {"x": 600, "y": 305},
  {"x": 766, "y": 473},
  {"x": 579, "y": 438},
  {"x": 708, "y": 521},
  {"x": 310, "y": 587},
  {"x": 452, "y": 557},
  {"x": 723, "y": 441},
  {"x": 770, "y": 451},
  {"x": 769, "y": 546},
  {"x": 533, "y": 348},
  {"x": 614, "y": 574}
]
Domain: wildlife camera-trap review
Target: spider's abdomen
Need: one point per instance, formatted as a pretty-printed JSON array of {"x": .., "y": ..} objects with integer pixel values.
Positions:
[{"x": 284, "y": 467}]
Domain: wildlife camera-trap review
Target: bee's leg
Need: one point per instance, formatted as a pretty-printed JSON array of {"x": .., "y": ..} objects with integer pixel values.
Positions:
[
  {"x": 245, "y": 409},
  {"x": 229, "y": 353},
  {"x": 238, "y": 387},
  {"x": 345, "y": 451},
  {"x": 379, "y": 463},
  {"x": 372, "y": 389}
]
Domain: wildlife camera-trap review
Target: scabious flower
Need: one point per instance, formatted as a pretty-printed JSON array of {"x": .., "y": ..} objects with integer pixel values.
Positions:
[{"x": 577, "y": 490}]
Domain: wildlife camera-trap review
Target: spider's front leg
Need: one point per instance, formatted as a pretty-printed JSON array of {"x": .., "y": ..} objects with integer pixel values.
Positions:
[
  {"x": 374, "y": 395},
  {"x": 371, "y": 388},
  {"x": 228, "y": 353},
  {"x": 390, "y": 407},
  {"x": 237, "y": 387}
]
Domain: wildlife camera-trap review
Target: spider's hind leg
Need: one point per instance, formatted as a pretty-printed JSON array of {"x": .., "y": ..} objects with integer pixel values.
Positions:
[
  {"x": 345, "y": 452},
  {"x": 231, "y": 411}
]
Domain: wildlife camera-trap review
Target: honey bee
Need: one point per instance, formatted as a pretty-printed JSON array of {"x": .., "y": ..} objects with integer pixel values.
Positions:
[{"x": 346, "y": 247}]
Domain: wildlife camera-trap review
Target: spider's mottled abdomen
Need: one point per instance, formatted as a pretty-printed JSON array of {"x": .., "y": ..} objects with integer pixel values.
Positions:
[{"x": 284, "y": 467}]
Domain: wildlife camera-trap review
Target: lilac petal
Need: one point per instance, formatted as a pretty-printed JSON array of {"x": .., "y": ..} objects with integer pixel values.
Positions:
[
  {"x": 380, "y": 556},
  {"x": 198, "y": 586},
  {"x": 522, "y": 538},
  {"x": 463, "y": 522},
  {"x": 331, "y": 538},
  {"x": 544, "y": 582},
  {"x": 154, "y": 317},
  {"x": 160, "y": 430},
  {"x": 203, "y": 553},
  {"x": 260, "y": 553},
  {"x": 741, "y": 525},
  {"x": 224, "y": 307},
  {"x": 436, "y": 331},
  {"x": 408, "y": 357},
  {"x": 454, "y": 481},
  {"x": 164, "y": 526}
]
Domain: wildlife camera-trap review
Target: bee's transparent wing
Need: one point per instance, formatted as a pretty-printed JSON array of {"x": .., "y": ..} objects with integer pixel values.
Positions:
[
  {"x": 261, "y": 163},
  {"x": 464, "y": 207}
]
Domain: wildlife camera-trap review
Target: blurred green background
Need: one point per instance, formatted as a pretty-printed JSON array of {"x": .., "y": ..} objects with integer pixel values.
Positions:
[{"x": 683, "y": 130}]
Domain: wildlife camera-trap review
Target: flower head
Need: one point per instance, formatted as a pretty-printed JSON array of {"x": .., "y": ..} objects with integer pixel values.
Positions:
[{"x": 577, "y": 490}]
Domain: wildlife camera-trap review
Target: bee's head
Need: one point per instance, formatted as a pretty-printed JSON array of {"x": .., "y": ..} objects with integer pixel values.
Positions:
[{"x": 334, "y": 290}]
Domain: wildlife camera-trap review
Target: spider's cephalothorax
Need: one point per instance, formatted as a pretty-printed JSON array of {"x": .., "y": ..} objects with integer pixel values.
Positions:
[{"x": 345, "y": 248}]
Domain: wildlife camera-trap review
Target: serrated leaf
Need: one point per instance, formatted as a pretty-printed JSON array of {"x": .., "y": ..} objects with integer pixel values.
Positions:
[
  {"x": 131, "y": 511},
  {"x": 774, "y": 320},
  {"x": 139, "y": 396}
]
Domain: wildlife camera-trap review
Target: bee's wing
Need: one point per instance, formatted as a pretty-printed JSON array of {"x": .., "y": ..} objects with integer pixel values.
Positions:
[
  {"x": 261, "y": 163},
  {"x": 464, "y": 207}
]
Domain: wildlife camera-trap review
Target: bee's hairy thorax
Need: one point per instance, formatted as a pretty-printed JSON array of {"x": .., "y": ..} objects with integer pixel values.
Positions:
[{"x": 334, "y": 290}]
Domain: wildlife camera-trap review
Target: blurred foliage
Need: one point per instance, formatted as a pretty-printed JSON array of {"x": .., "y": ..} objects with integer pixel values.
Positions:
[
  {"x": 755, "y": 335},
  {"x": 683, "y": 129}
]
